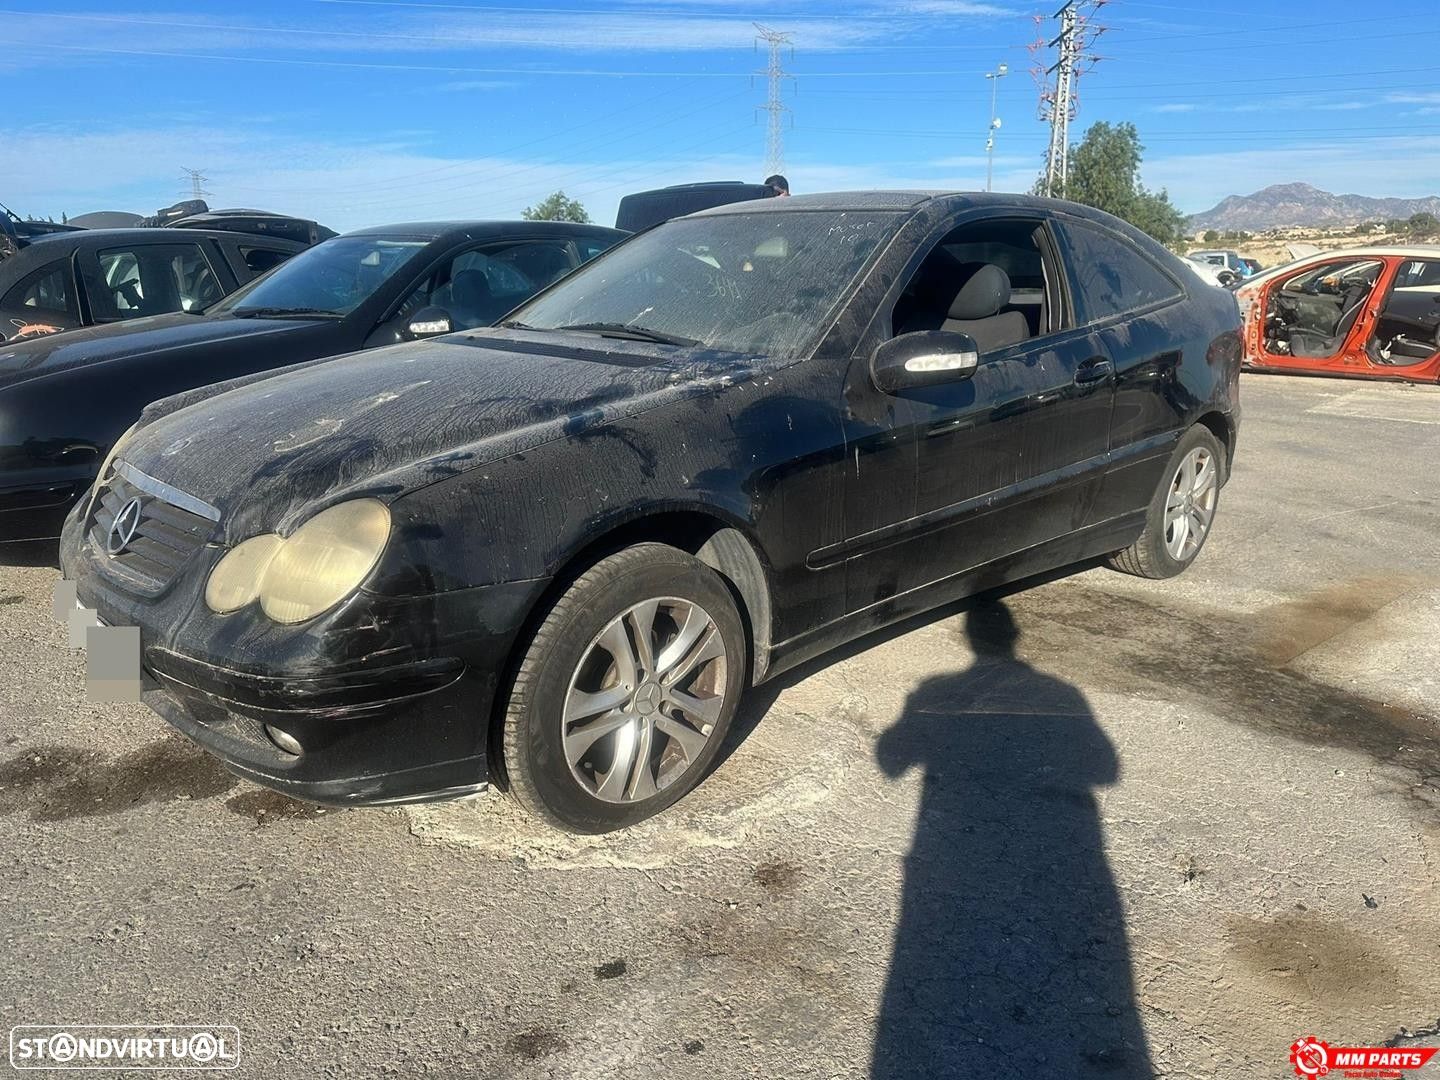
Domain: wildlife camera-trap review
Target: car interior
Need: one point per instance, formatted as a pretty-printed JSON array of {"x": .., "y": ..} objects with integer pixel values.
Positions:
[
  {"x": 1408, "y": 329},
  {"x": 1312, "y": 313},
  {"x": 154, "y": 281},
  {"x": 987, "y": 280}
]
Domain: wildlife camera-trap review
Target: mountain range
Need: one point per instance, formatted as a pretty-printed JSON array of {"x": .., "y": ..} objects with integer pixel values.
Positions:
[{"x": 1283, "y": 205}]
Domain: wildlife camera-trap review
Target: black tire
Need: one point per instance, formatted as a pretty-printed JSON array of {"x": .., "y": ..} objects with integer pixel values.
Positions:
[
  {"x": 1148, "y": 557},
  {"x": 540, "y": 777}
]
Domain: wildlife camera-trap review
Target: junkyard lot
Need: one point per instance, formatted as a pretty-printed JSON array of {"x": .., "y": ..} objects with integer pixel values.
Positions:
[{"x": 1241, "y": 766}]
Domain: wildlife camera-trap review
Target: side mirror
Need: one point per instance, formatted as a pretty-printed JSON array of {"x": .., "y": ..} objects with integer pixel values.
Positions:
[
  {"x": 428, "y": 322},
  {"x": 924, "y": 358}
]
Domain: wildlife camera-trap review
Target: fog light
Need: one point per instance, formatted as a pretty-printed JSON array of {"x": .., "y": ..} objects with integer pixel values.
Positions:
[{"x": 284, "y": 740}]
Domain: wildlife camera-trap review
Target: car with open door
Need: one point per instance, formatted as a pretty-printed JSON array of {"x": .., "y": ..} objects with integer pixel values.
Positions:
[
  {"x": 555, "y": 553},
  {"x": 1367, "y": 313},
  {"x": 65, "y": 398}
]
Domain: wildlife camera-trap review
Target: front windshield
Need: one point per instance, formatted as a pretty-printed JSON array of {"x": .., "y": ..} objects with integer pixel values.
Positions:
[
  {"x": 333, "y": 278},
  {"x": 754, "y": 283}
]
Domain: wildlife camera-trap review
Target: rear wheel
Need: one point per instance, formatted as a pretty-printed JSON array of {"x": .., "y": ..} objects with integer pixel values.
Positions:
[
  {"x": 1182, "y": 511},
  {"x": 625, "y": 692}
]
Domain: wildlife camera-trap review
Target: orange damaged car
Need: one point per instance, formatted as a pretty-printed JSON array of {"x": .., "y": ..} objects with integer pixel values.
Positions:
[{"x": 1368, "y": 313}]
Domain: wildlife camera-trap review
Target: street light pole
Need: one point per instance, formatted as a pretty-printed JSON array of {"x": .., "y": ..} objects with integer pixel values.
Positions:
[{"x": 994, "y": 77}]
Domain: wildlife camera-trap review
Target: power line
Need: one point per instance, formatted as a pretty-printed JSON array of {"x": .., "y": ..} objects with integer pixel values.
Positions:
[
  {"x": 197, "y": 183},
  {"x": 775, "y": 75},
  {"x": 1059, "y": 101}
]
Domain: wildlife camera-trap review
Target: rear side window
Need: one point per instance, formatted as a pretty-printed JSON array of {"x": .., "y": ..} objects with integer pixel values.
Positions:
[
  {"x": 1111, "y": 277},
  {"x": 258, "y": 259},
  {"x": 46, "y": 291}
]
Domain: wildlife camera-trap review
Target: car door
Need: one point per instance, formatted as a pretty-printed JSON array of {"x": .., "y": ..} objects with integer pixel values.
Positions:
[
  {"x": 1402, "y": 340},
  {"x": 1007, "y": 459},
  {"x": 1125, "y": 298}
]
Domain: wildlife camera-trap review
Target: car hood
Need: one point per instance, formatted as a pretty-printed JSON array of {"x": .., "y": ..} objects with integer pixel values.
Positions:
[
  {"x": 388, "y": 421},
  {"x": 36, "y": 358}
]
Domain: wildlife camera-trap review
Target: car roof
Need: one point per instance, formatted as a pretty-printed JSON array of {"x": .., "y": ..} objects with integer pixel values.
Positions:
[
  {"x": 437, "y": 230},
  {"x": 1412, "y": 251},
  {"x": 894, "y": 200},
  {"x": 154, "y": 235}
]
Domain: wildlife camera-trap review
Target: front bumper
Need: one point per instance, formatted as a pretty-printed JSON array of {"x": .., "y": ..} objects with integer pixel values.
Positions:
[{"x": 389, "y": 699}]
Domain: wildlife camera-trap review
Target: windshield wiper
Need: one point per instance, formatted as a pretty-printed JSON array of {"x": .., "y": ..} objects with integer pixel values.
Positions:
[
  {"x": 631, "y": 332},
  {"x": 285, "y": 313},
  {"x": 514, "y": 324}
]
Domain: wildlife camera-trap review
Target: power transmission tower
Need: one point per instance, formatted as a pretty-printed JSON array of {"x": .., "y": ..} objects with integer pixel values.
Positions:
[
  {"x": 1059, "y": 90},
  {"x": 197, "y": 183},
  {"x": 775, "y": 74}
]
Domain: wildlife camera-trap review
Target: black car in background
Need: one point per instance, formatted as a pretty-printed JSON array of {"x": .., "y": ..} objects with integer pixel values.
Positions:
[
  {"x": 16, "y": 232},
  {"x": 646, "y": 209},
  {"x": 556, "y": 552},
  {"x": 90, "y": 277},
  {"x": 65, "y": 398}
]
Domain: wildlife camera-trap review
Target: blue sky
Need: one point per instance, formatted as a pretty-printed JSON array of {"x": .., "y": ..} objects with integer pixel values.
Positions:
[{"x": 364, "y": 111}]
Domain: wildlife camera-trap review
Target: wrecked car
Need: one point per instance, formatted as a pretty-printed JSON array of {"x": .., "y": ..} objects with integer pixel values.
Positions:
[
  {"x": 1368, "y": 313},
  {"x": 90, "y": 277},
  {"x": 553, "y": 554},
  {"x": 65, "y": 398}
]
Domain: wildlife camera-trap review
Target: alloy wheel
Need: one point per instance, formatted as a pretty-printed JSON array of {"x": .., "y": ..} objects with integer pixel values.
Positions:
[
  {"x": 1190, "y": 504},
  {"x": 644, "y": 700}
]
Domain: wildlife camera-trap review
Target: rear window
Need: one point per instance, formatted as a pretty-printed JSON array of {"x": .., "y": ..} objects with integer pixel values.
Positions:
[
  {"x": 258, "y": 260},
  {"x": 1111, "y": 276}
]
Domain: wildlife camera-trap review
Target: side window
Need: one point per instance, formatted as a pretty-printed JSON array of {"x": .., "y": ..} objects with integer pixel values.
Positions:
[
  {"x": 478, "y": 286},
  {"x": 45, "y": 292},
  {"x": 991, "y": 280},
  {"x": 589, "y": 247},
  {"x": 155, "y": 279},
  {"x": 258, "y": 259},
  {"x": 1111, "y": 277}
]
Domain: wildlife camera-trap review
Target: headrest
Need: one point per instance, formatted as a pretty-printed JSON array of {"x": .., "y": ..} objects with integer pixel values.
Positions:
[
  {"x": 470, "y": 285},
  {"x": 987, "y": 291}
]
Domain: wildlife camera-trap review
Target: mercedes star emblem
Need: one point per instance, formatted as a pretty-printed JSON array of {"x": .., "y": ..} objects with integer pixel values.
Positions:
[{"x": 123, "y": 528}]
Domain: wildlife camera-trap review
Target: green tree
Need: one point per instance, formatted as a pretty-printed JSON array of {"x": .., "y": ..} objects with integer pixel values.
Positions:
[
  {"x": 1105, "y": 174},
  {"x": 557, "y": 207},
  {"x": 1211, "y": 236},
  {"x": 1423, "y": 223}
]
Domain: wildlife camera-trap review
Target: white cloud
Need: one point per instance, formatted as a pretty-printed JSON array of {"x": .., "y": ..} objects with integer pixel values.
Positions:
[
  {"x": 350, "y": 184},
  {"x": 1176, "y": 107},
  {"x": 379, "y": 30}
]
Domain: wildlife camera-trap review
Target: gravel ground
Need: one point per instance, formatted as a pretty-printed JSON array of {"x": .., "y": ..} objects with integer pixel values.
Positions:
[{"x": 1104, "y": 827}]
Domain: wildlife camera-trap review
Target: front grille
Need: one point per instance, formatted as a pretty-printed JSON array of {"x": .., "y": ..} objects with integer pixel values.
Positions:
[{"x": 172, "y": 526}]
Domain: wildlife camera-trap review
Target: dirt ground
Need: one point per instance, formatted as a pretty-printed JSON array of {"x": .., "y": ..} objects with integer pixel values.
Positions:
[{"x": 1102, "y": 827}]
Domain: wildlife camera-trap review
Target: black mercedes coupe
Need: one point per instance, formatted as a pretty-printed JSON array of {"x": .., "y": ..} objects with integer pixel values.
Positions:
[{"x": 554, "y": 554}]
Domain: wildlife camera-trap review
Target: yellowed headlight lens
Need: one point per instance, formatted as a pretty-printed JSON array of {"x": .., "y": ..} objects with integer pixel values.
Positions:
[
  {"x": 325, "y": 560},
  {"x": 236, "y": 579}
]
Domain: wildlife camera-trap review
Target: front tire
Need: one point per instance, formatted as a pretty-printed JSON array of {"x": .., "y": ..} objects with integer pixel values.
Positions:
[
  {"x": 625, "y": 692},
  {"x": 1182, "y": 511}
]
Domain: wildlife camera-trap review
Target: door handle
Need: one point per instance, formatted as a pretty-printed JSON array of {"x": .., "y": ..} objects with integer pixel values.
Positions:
[{"x": 1093, "y": 370}]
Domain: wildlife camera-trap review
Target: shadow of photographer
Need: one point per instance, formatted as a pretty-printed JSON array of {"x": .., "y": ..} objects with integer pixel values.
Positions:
[{"x": 1010, "y": 955}]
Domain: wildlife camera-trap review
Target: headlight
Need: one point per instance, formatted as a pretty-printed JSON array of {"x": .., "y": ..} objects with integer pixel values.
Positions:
[
  {"x": 312, "y": 570},
  {"x": 235, "y": 581}
]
